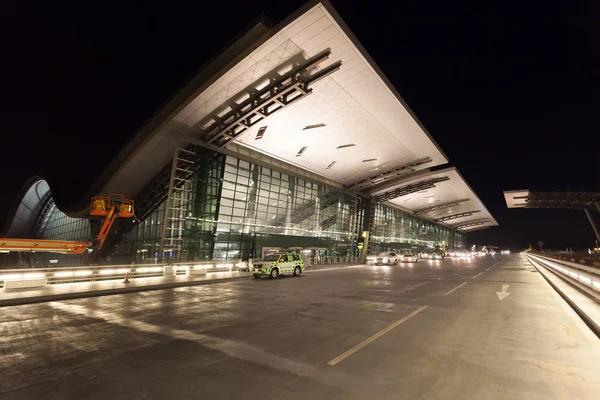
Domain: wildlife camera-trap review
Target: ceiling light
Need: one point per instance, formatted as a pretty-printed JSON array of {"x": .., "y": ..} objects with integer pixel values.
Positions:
[
  {"x": 302, "y": 150},
  {"x": 261, "y": 132},
  {"x": 369, "y": 160},
  {"x": 346, "y": 145},
  {"x": 313, "y": 126},
  {"x": 331, "y": 165}
]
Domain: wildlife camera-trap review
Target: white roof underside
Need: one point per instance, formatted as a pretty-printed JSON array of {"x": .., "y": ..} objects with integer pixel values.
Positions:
[
  {"x": 444, "y": 192},
  {"x": 355, "y": 104},
  {"x": 516, "y": 198}
]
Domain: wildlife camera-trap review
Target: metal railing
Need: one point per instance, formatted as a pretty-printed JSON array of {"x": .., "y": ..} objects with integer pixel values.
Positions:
[
  {"x": 330, "y": 260},
  {"x": 585, "y": 277},
  {"x": 56, "y": 275}
]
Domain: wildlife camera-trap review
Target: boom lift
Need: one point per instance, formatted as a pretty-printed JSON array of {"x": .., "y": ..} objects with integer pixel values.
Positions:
[
  {"x": 39, "y": 245},
  {"x": 110, "y": 208}
]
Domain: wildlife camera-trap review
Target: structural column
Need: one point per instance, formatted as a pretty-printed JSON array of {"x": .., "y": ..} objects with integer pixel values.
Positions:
[
  {"x": 367, "y": 218},
  {"x": 590, "y": 216}
]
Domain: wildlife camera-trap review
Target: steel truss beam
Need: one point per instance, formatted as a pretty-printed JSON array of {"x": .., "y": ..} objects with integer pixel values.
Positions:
[
  {"x": 408, "y": 189},
  {"x": 475, "y": 229},
  {"x": 440, "y": 207},
  {"x": 475, "y": 222},
  {"x": 384, "y": 176},
  {"x": 281, "y": 91},
  {"x": 456, "y": 216}
]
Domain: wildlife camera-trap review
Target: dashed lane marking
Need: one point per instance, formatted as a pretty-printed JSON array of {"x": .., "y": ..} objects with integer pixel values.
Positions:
[
  {"x": 477, "y": 275},
  {"x": 456, "y": 288},
  {"x": 376, "y": 336}
]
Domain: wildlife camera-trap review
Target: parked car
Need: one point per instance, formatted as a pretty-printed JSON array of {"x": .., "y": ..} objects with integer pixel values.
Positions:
[
  {"x": 409, "y": 258},
  {"x": 384, "y": 258}
]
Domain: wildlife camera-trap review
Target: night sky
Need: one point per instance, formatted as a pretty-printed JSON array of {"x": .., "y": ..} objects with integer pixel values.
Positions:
[{"x": 511, "y": 93}]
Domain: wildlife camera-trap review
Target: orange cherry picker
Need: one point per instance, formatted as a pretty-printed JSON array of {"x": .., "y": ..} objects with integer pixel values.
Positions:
[{"x": 108, "y": 208}]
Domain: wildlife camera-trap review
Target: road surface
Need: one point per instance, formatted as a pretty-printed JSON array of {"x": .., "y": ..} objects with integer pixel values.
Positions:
[{"x": 485, "y": 328}]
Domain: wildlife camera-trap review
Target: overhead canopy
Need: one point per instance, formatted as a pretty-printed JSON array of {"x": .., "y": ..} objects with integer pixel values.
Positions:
[
  {"x": 550, "y": 199},
  {"x": 318, "y": 99},
  {"x": 303, "y": 97},
  {"x": 442, "y": 196}
]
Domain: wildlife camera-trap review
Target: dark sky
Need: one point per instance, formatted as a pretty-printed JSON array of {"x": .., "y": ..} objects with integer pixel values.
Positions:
[{"x": 511, "y": 92}]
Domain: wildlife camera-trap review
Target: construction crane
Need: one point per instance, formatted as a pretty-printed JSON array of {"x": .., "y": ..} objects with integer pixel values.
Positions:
[{"x": 110, "y": 208}]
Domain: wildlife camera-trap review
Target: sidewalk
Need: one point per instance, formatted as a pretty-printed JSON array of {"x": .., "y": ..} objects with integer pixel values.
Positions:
[{"x": 68, "y": 291}]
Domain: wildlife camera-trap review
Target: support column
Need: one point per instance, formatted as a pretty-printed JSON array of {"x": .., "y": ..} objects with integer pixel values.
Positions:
[
  {"x": 452, "y": 239},
  {"x": 367, "y": 217},
  {"x": 595, "y": 227}
]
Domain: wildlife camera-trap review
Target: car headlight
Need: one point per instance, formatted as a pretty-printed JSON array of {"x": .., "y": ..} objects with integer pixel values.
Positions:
[{"x": 385, "y": 259}]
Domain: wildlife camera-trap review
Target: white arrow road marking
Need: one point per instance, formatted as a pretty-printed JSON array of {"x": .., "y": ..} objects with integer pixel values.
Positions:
[{"x": 502, "y": 295}]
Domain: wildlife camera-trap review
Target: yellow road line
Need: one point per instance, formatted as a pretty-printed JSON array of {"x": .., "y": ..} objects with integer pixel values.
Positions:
[
  {"x": 374, "y": 337},
  {"x": 456, "y": 288},
  {"x": 477, "y": 275}
]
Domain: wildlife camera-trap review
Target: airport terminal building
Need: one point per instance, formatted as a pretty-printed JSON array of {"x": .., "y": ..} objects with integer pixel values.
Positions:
[{"x": 291, "y": 139}]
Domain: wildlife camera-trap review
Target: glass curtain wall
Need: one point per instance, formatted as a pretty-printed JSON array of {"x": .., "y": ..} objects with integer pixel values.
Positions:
[
  {"x": 395, "y": 230},
  {"x": 62, "y": 227},
  {"x": 459, "y": 240},
  {"x": 238, "y": 209},
  {"x": 262, "y": 209}
]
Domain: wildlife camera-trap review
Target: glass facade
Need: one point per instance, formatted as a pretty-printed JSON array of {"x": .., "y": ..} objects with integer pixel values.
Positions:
[
  {"x": 62, "y": 227},
  {"x": 237, "y": 209},
  {"x": 260, "y": 208},
  {"x": 398, "y": 231}
]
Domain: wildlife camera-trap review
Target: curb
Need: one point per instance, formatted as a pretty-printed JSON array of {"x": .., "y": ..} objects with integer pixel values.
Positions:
[{"x": 108, "y": 292}]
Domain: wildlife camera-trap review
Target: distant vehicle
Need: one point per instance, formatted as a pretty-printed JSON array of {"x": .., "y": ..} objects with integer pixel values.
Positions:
[
  {"x": 435, "y": 256},
  {"x": 384, "y": 258},
  {"x": 409, "y": 258},
  {"x": 505, "y": 252},
  {"x": 276, "y": 264},
  {"x": 423, "y": 254}
]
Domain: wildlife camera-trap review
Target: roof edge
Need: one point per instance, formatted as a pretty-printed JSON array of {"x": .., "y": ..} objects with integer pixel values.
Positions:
[
  {"x": 230, "y": 54},
  {"x": 340, "y": 21}
]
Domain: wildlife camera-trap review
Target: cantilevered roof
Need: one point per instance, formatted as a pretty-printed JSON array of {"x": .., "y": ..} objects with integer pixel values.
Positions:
[
  {"x": 442, "y": 196},
  {"x": 343, "y": 112},
  {"x": 351, "y": 125},
  {"x": 550, "y": 199}
]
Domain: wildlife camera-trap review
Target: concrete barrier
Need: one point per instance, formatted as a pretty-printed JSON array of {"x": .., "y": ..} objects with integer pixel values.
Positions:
[
  {"x": 197, "y": 271},
  {"x": 25, "y": 283}
]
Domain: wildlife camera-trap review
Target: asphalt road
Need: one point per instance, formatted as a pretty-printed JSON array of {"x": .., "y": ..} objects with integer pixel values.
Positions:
[{"x": 434, "y": 330}]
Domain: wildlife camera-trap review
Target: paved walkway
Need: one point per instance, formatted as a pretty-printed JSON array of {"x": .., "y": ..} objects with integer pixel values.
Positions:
[{"x": 66, "y": 291}]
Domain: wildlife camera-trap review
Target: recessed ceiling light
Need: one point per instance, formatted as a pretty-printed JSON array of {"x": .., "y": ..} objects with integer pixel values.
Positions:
[
  {"x": 302, "y": 150},
  {"x": 331, "y": 165},
  {"x": 346, "y": 145},
  {"x": 260, "y": 133},
  {"x": 369, "y": 160},
  {"x": 313, "y": 126}
]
